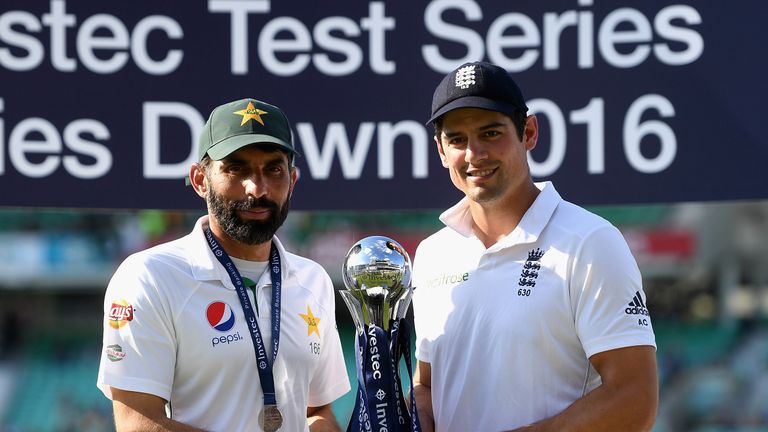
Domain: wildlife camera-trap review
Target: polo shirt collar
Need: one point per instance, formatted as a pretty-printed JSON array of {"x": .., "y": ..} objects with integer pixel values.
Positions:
[
  {"x": 528, "y": 230},
  {"x": 204, "y": 264}
]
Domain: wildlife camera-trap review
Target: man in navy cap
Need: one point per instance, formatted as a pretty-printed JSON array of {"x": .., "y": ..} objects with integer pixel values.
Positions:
[{"x": 529, "y": 310}]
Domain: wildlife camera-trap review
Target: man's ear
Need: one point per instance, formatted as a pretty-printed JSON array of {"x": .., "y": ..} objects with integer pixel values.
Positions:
[
  {"x": 197, "y": 179},
  {"x": 531, "y": 132},
  {"x": 294, "y": 179}
]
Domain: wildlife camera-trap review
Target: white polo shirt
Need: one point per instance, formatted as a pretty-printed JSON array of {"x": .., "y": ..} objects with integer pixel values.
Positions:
[
  {"x": 174, "y": 328},
  {"x": 509, "y": 329}
]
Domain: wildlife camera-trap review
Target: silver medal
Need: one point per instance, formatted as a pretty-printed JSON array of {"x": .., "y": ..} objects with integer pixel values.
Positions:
[{"x": 270, "y": 418}]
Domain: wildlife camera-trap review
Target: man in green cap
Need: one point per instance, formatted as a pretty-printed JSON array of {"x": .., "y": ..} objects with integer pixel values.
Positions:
[{"x": 223, "y": 329}]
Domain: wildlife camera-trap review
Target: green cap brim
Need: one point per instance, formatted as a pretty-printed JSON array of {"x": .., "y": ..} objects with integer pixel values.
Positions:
[{"x": 232, "y": 144}]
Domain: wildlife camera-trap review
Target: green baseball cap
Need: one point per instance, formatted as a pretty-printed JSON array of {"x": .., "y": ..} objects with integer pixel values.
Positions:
[{"x": 240, "y": 123}]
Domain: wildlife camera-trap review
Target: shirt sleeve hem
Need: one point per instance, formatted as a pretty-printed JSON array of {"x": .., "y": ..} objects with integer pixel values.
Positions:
[
  {"x": 606, "y": 344},
  {"x": 329, "y": 395},
  {"x": 135, "y": 385}
]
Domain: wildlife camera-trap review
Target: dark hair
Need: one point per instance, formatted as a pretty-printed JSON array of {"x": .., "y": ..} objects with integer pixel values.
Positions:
[
  {"x": 518, "y": 119},
  {"x": 205, "y": 164}
]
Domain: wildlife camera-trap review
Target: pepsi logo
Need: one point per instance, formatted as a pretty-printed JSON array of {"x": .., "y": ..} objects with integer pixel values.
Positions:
[{"x": 220, "y": 316}]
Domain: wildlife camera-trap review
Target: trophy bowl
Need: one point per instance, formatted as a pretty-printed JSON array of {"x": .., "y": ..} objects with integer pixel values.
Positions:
[{"x": 377, "y": 279}]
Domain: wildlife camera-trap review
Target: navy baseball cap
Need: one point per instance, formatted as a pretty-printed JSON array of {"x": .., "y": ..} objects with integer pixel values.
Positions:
[{"x": 477, "y": 85}]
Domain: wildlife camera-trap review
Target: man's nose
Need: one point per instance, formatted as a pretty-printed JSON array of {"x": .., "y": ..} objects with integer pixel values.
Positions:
[
  {"x": 475, "y": 151},
  {"x": 254, "y": 186}
]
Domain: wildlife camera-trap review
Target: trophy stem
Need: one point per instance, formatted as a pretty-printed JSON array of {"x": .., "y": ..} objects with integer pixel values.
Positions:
[
  {"x": 366, "y": 316},
  {"x": 385, "y": 318}
]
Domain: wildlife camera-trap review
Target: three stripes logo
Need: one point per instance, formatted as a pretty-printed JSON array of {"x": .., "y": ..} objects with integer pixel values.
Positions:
[{"x": 637, "y": 306}]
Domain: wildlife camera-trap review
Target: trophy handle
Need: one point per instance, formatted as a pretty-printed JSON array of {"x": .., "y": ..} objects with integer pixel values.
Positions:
[
  {"x": 402, "y": 304},
  {"x": 356, "y": 310}
]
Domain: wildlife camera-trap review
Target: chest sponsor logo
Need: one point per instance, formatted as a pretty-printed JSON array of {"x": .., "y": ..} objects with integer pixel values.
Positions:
[
  {"x": 226, "y": 339},
  {"x": 220, "y": 316},
  {"x": 120, "y": 314},
  {"x": 448, "y": 279}
]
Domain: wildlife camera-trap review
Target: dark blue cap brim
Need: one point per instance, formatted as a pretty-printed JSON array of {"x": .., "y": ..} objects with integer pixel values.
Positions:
[{"x": 476, "y": 102}]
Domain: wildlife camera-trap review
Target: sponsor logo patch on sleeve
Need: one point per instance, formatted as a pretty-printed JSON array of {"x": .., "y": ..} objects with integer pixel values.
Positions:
[
  {"x": 120, "y": 314},
  {"x": 114, "y": 353}
]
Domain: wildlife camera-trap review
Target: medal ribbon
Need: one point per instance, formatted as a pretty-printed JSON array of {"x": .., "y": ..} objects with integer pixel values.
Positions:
[
  {"x": 264, "y": 365},
  {"x": 360, "y": 421},
  {"x": 379, "y": 379},
  {"x": 401, "y": 337}
]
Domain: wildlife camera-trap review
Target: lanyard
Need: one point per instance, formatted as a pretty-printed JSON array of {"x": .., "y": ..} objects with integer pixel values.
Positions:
[{"x": 262, "y": 361}]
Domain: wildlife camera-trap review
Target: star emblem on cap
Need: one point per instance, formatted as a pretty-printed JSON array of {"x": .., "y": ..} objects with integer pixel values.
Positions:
[
  {"x": 251, "y": 113},
  {"x": 312, "y": 322}
]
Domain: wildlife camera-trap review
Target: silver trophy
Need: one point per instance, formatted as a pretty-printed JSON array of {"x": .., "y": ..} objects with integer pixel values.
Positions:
[
  {"x": 377, "y": 280},
  {"x": 377, "y": 277}
]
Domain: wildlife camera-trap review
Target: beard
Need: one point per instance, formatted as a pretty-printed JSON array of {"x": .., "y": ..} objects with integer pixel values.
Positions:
[{"x": 251, "y": 232}]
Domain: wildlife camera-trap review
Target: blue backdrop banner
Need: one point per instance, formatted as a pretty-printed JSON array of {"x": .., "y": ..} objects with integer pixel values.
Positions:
[{"x": 101, "y": 102}]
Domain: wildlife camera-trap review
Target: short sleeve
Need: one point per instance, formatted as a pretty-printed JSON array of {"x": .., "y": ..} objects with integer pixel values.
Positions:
[
  {"x": 138, "y": 352},
  {"x": 330, "y": 381},
  {"x": 609, "y": 304}
]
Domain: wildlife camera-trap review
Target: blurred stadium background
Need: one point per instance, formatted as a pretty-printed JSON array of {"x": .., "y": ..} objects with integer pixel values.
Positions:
[{"x": 705, "y": 270}]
